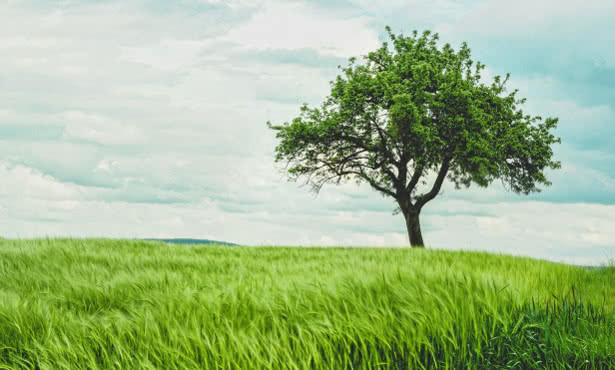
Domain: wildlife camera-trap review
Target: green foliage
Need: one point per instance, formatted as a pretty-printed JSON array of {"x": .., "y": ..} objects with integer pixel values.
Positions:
[
  {"x": 102, "y": 304},
  {"x": 410, "y": 109}
]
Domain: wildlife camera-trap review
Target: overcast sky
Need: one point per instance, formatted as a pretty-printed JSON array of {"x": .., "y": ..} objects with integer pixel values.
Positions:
[{"x": 147, "y": 119}]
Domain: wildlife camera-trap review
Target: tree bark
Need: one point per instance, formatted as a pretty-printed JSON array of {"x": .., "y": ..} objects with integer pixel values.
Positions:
[{"x": 414, "y": 229}]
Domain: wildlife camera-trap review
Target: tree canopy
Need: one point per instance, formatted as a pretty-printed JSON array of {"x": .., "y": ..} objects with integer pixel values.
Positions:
[{"x": 412, "y": 109}]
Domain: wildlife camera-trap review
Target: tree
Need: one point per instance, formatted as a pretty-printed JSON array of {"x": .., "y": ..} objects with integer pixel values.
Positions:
[{"x": 413, "y": 112}]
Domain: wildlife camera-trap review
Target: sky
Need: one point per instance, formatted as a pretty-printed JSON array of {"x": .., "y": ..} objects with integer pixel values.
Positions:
[{"x": 147, "y": 119}]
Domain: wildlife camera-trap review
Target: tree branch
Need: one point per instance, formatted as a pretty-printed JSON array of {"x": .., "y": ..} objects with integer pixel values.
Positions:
[
  {"x": 381, "y": 134},
  {"x": 338, "y": 168},
  {"x": 382, "y": 150},
  {"x": 364, "y": 176},
  {"x": 396, "y": 180},
  {"x": 418, "y": 171},
  {"x": 424, "y": 198}
]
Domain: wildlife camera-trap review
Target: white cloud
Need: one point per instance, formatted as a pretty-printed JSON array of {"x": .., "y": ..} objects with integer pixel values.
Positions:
[
  {"x": 105, "y": 165},
  {"x": 295, "y": 25},
  {"x": 533, "y": 17},
  {"x": 91, "y": 127},
  {"x": 22, "y": 42},
  {"x": 573, "y": 233},
  {"x": 565, "y": 27},
  {"x": 168, "y": 55},
  {"x": 20, "y": 181}
]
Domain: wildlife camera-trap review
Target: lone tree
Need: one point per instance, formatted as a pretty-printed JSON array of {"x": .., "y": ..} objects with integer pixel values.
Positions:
[{"x": 414, "y": 110}]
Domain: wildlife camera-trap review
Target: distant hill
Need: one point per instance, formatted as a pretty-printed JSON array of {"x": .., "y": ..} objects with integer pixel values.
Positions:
[{"x": 192, "y": 241}]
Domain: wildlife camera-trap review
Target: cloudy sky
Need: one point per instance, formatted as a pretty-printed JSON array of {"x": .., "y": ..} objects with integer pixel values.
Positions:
[{"x": 139, "y": 118}]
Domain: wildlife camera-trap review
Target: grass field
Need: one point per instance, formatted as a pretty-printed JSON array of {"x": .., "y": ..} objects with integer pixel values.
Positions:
[{"x": 94, "y": 303}]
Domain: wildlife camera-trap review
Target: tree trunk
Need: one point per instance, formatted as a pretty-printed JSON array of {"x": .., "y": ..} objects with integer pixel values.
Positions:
[{"x": 414, "y": 229}]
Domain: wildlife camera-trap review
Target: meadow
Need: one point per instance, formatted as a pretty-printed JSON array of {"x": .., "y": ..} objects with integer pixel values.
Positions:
[{"x": 109, "y": 304}]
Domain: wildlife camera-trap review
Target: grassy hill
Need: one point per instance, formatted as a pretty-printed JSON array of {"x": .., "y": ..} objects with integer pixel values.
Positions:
[{"x": 98, "y": 304}]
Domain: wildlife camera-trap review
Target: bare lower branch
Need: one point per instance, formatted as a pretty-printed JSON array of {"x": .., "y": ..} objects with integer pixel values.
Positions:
[
  {"x": 424, "y": 198},
  {"x": 418, "y": 172},
  {"x": 365, "y": 177}
]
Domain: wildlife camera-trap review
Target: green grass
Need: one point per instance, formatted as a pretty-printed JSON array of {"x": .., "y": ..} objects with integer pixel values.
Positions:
[{"x": 99, "y": 304}]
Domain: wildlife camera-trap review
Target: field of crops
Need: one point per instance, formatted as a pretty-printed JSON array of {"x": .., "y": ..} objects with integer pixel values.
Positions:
[{"x": 101, "y": 304}]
